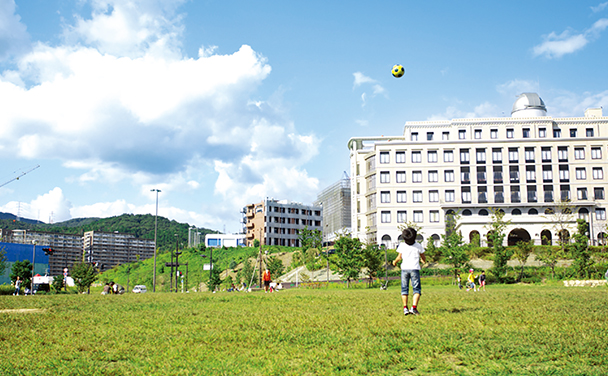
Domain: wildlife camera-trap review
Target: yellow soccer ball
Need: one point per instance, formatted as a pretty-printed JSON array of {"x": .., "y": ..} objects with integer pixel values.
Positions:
[{"x": 398, "y": 71}]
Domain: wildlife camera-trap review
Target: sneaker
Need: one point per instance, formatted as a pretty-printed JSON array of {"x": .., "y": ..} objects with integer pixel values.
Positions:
[
  {"x": 414, "y": 311},
  {"x": 406, "y": 311}
]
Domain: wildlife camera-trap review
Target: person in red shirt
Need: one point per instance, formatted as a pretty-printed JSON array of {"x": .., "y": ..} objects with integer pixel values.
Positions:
[{"x": 266, "y": 278}]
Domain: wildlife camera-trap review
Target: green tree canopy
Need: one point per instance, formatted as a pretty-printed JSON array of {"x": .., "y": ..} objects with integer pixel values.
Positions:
[
  {"x": 349, "y": 257},
  {"x": 84, "y": 275},
  {"x": 23, "y": 270},
  {"x": 496, "y": 237}
]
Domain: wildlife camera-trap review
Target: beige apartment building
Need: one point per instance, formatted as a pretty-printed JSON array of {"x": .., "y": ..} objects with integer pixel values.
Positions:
[
  {"x": 276, "y": 222},
  {"x": 528, "y": 165},
  {"x": 108, "y": 249}
]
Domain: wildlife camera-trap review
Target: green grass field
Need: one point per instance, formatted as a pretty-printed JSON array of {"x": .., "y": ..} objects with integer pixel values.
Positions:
[{"x": 508, "y": 330}]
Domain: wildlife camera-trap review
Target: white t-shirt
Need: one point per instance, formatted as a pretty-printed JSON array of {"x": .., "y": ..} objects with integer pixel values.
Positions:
[{"x": 410, "y": 255}]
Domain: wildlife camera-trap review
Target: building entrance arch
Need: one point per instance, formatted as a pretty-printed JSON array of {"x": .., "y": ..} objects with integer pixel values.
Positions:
[{"x": 518, "y": 235}]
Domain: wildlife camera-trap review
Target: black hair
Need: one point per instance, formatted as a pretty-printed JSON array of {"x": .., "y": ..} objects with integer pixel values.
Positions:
[{"x": 409, "y": 235}]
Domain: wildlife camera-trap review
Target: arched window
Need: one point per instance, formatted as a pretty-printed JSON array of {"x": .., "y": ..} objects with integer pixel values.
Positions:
[
  {"x": 545, "y": 237},
  {"x": 516, "y": 212},
  {"x": 466, "y": 213},
  {"x": 483, "y": 212},
  {"x": 386, "y": 241},
  {"x": 532, "y": 212}
]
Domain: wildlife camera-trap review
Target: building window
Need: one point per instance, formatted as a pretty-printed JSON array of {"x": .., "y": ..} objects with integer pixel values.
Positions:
[
  {"x": 596, "y": 153},
  {"x": 581, "y": 193},
  {"x": 562, "y": 154},
  {"x": 414, "y": 136},
  {"x": 466, "y": 195},
  {"x": 432, "y": 156},
  {"x": 581, "y": 173},
  {"x": 465, "y": 175},
  {"x": 385, "y": 157},
  {"x": 515, "y": 194},
  {"x": 401, "y": 177},
  {"x": 433, "y": 176},
  {"x": 401, "y": 196},
  {"x": 598, "y": 193},
  {"x": 385, "y": 177},
  {"x": 445, "y": 136},
  {"x": 481, "y": 175},
  {"x": 401, "y": 216},
  {"x": 434, "y": 216},
  {"x": 433, "y": 196},
  {"x": 530, "y": 174},
  {"x": 526, "y": 133},
  {"x": 542, "y": 132},
  {"x": 547, "y": 174},
  {"x": 529, "y": 154},
  {"x": 385, "y": 217},
  {"x": 579, "y": 153},
  {"x": 464, "y": 156},
  {"x": 481, "y": 155},
  {"x": 499, "y": 195},
  {"x": 564, "y": 174},
  {"x": 548, "y": 189},
  {"x": 498, "y": 175},
  {"x": 589, "y": 132},
  {"x": 497, "y": 155},
  {"x": 598, "y": 173},
  {"x": 385, "y": 197},
  {"x": 572, "y": 132},
  {"x": 513, "y": 155},
  {"x": 417, "y": 177},
  {"x": 546, "y": 154},
  {"x": 400, "y": 157},
  {"x": 600, "y": 214},
  {"x": 448, "y": 156},
  {"x": 417, "y": 196},
  {"x": 532, "y": 194},
  {"x": 418, "y": 218},
  {"x": 429, "y": 136},
  {"x": 449, "y": 196},
  {"x": 449, "y": 175},
  {"x": 478, "y": 134},
  {"x": 514, "y": 174},
  {"x": 462, "y": 134},
  {"x": 494, "y": 133},
  {"x": 557, "y": 133},
  {"x": 564, "y": 191},
  {"x": 482, "y": 195},
  {"x": 416, "y": 157},
  {"x": 510, "y": 132}
]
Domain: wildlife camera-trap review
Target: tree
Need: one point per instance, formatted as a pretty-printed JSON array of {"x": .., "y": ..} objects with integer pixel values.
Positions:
[
  {"x": 214, "y": 279},
  {"x": 84, "y": 275},
  {"x": 349, "y": 257},
  {"x": 453, "y": 247},
  {"x": 496, "y": 237},
  {"x": 2, "y": 260},
  {"x": 372, "y": 260},
  {"x": 23, "y": 270},
  {"x": 579, "y": 250},
  {"x": 523, "y": 250},
  {"x": 275, "y": 266},
  {"x": 311, "y": 242},
  {"x": 246, "y": 272},
  {"x": 256, "y": 243},
  {"x": 549, "y": 255},
  {"x": 562, "y": 217},
  {"x": 57, "y": 284},
  {"x": 432, "y": 252}
]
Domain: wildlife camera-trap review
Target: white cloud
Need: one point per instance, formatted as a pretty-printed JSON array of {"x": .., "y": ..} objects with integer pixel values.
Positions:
[
  {"x": 599, "y": 7},
  {"x": 14, "y": 38},
  {"x": 485, "y": 109},
  {"x": 118, "y": 102},
  {"x": 515, "y": 87},
  {"x": 556, "y": 46},
  {"x": 52, "y": 206},
  {"x": 361, "y": 79}
]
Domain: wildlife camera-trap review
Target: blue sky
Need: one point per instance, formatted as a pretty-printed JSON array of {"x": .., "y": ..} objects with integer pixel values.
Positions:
[{"x": 222, "y": 103}]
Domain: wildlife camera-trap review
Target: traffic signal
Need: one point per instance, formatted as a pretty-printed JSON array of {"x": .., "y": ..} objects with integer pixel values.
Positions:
[{"x": 48, "y": 251}]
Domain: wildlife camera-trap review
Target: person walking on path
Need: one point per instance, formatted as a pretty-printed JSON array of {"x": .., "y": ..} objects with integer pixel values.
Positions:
[
  {"x": 266, "y": 278},
  {"x": 17, "y": 286},
  {"x": 410, "y": 253}
]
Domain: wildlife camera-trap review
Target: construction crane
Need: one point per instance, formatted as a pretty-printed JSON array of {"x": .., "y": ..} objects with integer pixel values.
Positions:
[{"x": 20, "y": 175}]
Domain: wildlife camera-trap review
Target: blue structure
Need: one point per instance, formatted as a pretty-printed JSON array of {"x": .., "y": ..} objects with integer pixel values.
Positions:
[
  {"x": 20, "y": 252},
  {"x": 224, "y": 240}
]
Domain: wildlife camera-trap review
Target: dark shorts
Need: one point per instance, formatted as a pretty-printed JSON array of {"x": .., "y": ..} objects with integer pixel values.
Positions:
[
  {"x": 266, "y": 283},
  {"x": 414, "y": 277}
]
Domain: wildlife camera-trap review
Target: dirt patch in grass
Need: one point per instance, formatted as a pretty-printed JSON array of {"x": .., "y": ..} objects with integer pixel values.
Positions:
[{"x": 22, "y": 310}]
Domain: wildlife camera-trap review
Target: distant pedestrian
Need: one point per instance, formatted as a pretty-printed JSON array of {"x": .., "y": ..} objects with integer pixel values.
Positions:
[
  {"x": 471, "y": 281},
  {"x": 459, "y": 280},
  {"x": 17, "y": 286},
  {"x": 482, "y": 280},
  {"x": 266, "y": 279},
  {"x": 410, "y": 253},
  {"x": 106, "y": 289}
]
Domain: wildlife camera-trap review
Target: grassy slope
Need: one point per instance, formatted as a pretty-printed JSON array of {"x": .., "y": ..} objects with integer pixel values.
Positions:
[{"x": 517, "y": 329}]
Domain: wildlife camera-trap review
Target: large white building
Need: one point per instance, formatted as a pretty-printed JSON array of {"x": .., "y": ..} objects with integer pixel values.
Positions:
[{"x": 527, "y": 165}]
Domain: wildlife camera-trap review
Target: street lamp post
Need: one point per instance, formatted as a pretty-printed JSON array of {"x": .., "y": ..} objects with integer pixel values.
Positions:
[{"x": 155, "y": 231}]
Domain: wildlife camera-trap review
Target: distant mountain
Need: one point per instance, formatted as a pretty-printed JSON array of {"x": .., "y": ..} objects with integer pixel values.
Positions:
[
  {"x": 12, "y": 217},
  {"x": 140, "y": 225}
]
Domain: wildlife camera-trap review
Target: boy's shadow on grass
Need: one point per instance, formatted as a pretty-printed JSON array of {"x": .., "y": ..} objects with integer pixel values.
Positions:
[{"x": 459, "y": 310}]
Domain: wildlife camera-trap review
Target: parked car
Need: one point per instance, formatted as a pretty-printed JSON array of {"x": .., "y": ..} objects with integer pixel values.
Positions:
[{"x": 140, "y": 289}]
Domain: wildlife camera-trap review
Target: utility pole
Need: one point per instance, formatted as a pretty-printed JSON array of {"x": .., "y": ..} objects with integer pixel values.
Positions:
[
  {"x": 260, "y": 257},
  {"x": 155, "y": 231}
]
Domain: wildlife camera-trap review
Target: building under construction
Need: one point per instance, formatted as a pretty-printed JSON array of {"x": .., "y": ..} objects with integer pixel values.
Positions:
[{"x": 335, "y": 201}]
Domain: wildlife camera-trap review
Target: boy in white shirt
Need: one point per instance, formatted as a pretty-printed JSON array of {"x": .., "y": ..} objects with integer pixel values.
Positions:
[{"x": 410, "y": 253}]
